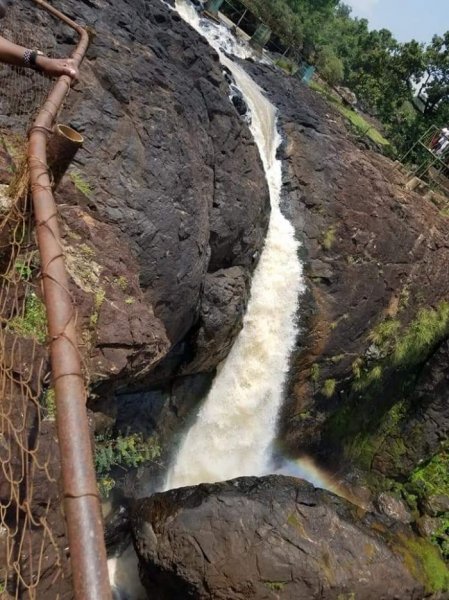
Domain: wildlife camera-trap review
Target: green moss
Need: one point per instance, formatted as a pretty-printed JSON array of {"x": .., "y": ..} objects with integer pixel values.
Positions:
[
  {"x": 123, "y": 451},
  {"x": 315, "y": 372},
  {"x": 360, "y": 125},
  {"x": 33, "y": 322},
  {"x": 275, "y": 586},
  {"x": 99, "y": 297},
  {"x": 425, "y": 563},
  {"x": 287, "y": 65},
  {"x": 122, "y": 283},
  {"x": 328, "y": 238},
  {"x": 369, "y": 378},
  {"x": 329, "y": 386},
  {"x": 384, "y": 334},
  {"x": 49, "y": 404},
  {"x": 433, "y": 477},
  {"x": 428, "y": 328},
  {"x": 357, "y": 367},
  {"x": 441, "y": 536},
  {"x": 81, "y": 183}
]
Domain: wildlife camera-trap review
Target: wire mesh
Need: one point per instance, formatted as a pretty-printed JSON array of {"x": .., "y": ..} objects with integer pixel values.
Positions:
[{"x": 33, "y": 557}]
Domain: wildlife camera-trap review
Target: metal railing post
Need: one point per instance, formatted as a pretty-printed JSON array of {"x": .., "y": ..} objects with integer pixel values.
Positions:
[{"x": 81, "y": 501}]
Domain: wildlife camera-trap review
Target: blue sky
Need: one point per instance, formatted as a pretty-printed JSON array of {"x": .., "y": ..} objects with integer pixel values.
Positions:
[{"x": 406, "y": 19}]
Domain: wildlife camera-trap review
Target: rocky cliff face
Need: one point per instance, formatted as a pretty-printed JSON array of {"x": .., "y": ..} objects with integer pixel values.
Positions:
[
  {"x": 367, "y": 384},
  {"x": 164, "y": 215},
  {"x": 171, "y": 205}
]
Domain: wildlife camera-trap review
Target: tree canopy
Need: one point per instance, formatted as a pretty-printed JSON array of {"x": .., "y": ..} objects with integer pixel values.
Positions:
[{"x": 406, "y": 85}]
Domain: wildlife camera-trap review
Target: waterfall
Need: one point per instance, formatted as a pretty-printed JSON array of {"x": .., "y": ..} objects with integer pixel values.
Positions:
[{"x": 235, "y": 427}]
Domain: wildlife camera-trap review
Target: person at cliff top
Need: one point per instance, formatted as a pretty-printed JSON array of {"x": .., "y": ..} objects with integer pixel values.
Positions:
[
  {"x": 12, "y": 54},
  {"x": 443, "y": 142}
]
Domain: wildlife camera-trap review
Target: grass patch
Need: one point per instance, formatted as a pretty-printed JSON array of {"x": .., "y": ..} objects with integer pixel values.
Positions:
[
  {"x": 275, "y": 586},
  {"x": 424, "y": 562},
  {"x": 33, "y": 322},
  {"x": 81, "y": 183},
  {"x": 49, "y": 404},
  {"x": 328, "y": 238},
  {"x": 329, "y": 388},
  {"x": 428, "y": 328},
  {"x": 384, "y": 334},
  {"x": 433, "y": 477},
  {"x": 287, "y": 65},
  {"x": 315, "y": 372},
  {"x": 99, "y": 297},
  {"x": 361, "y": 125}
]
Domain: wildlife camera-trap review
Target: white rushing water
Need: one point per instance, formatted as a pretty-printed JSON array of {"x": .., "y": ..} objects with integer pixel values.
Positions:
[{"x": 236, "y": 425}]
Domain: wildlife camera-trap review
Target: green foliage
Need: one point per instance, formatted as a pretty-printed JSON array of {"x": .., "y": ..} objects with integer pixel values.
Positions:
[
  {"x": 49, "y": 404},
  {"x": 329, "y": 388},
  {"x": 23, "y": 268},
  {"x": 287, "y": 65},
  {"x": 124, "y": 451},
  {"x": 441, "y": 536},
  {"x": 315, "y": 372},
  {"x": 330, "y": 66},
  {"x": 357, "y": 367},
  {"x": 433, "y": 477},
  {"x": 428, "y": 329},
  {"x": 275, "y": 586},
  {"x": 424, "y": 561},
  {"x": 81, "y": 183},
  {"x": 33, "y": 322},
  {"x": 122, "y": 283},
  {"x": 328, "y": 238},
  {"x": 99, "y": 297},
  {"x": 384, "y": 334}
]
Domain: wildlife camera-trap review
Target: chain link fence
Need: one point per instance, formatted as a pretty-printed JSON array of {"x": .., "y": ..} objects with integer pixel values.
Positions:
[{"x": 34, "y": 561}]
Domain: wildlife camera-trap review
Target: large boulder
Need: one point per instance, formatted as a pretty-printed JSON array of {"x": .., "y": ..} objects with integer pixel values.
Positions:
[{"x": 276, "y": 537}]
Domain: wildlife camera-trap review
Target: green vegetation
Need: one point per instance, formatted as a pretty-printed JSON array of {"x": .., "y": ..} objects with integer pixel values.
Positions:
[
  {"x": 49, "y": 404},
  {"x": 81, "y": 183},
  {"x": 328, "y": 238},
  {"x": 425, "y": 563},
  {"x": 288, "y": 66},
  {"x": 99, "y": 297},
  {"x": 33, "y": 322},
  {"x": 329, "y": 388},
  {"x": 428, "y": 328},
  {"x": 315, "y": 372},
  {"x": 124, "y": 451},
  {"x": 380, "y": 70},
  {"x": 433, "y": 477},
  {"x": 360, "y": 125},
  {"x": 275, "y": 586},
  {"x": 122, "y": 283}
]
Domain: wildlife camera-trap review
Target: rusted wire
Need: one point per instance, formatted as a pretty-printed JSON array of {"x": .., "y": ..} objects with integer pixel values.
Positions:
[{"x": 81, "y": 502}]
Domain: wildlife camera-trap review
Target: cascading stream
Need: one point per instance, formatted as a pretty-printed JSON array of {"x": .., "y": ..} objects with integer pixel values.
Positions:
[{"x": 236, "y": 425}]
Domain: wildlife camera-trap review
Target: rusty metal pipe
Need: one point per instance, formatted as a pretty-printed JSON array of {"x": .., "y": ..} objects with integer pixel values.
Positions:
[
  {"x": 81, "y": 500},
  {"x": 61, "y": 150}
]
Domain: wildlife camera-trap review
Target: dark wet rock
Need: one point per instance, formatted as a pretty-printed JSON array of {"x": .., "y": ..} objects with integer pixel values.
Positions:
[
  {"x": 222, "y": 309},
  {"x": 238, "y": 101},
  {"x": 427, "y": 526},
  {"x": 436, "y": 505},
  {"x": 258, "y": 538},
  {"x": 393, "y": 507}
]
